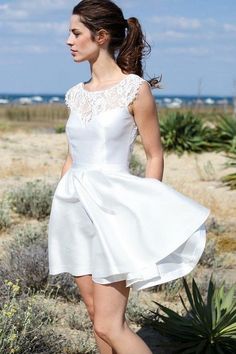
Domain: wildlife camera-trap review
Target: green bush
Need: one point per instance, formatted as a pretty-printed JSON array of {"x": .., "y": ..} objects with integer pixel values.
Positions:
[
  {"x": 207, "y": 327},
  {"x": 184, "y": 132},
  {"x": 25, "y": 326},
  {"x": 223, "y": 135},
  {"x": 33, "y": 199},
  {"x": 60, "y": 129}
]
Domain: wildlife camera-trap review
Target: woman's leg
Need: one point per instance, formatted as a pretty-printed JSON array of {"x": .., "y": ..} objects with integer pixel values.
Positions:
[
  {"x": 110, "y": 324},
  {"x": 85, "y": 285},
  {"x": 103, "y": 347}
]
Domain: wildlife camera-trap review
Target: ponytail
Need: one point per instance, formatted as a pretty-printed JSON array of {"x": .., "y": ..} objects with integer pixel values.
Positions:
[{"x": 133, "y": 50}]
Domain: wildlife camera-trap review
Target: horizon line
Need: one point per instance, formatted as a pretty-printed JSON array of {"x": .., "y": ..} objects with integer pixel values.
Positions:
[{"x": 162, "y": 94}]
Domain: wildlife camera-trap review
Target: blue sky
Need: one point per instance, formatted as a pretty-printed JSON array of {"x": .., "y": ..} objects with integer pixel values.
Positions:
[{"x": 191, "y": 40}]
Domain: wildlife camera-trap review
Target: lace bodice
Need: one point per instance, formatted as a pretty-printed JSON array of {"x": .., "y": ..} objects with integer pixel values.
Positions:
[
  {"x": 88, "y": 103},
  {"x": 100, "y": 127}
]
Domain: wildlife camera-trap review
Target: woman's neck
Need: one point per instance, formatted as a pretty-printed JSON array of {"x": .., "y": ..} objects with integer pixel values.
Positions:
[{"x": 105, "y": 70}]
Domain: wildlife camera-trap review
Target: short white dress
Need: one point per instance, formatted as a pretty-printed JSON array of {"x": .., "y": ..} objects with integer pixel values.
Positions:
[{"x": 107, "y": 222}]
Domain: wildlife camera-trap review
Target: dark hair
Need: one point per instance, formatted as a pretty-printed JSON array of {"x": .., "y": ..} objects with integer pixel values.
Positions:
[{"x": 127, "y": 44}]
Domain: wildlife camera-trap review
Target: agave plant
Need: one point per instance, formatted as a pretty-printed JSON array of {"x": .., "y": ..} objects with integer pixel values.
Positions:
[
  {"x": 207, "y": 328},
  {"x": 223, "y": 137},
  {"x": 184, "y": 132},
  {"x": 230, "y": 179}
]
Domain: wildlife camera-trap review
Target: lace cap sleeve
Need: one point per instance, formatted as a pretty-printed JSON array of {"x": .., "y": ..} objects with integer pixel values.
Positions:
[
  {"x": 70, "y": 97},
  {"x": 67, "y": 98},
  {"x": 131, "y": 89}
]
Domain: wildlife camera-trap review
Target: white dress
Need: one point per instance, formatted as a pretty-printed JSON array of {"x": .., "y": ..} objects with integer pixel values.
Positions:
[{"x": 108, "y": 222}]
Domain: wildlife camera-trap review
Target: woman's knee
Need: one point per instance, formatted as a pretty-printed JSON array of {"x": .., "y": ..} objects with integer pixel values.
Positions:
[
  {"x": 101, "y": 329},
  {"x": 107, "y": 329}
]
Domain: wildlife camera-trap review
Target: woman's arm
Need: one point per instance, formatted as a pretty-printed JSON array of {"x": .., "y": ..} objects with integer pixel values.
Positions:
[
  {"x": 67, "y": 164},
  {"x": 146, "y": 118}
]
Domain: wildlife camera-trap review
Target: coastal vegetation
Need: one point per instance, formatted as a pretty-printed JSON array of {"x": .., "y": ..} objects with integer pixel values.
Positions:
[{"x": 45, "y": 314}]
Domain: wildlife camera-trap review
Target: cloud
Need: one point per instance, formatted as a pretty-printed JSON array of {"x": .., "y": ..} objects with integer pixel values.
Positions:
[
  {"x": 213, "y": 53},
  {"x": 36, "y": 28},
  {"x": 127, "y": 4},
  {"x": 228, "y": 27},
  {"x": 7, "y": 12},
  {"x": 179, "y": 22},
  {"x": 24, "y": 48},
  {"x": 177, "y": 36},
  {"x": 205, "y": 29},
  {"x": 45, "y": 4},
  {"x": 4, "y": 7},
  {"x": 171, "y": 35},
  {"x": 195, "y": 51},
  {"x": 23, "y": 9}
]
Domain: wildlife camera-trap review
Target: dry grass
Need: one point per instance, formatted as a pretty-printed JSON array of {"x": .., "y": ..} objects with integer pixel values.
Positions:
[
  {"x": 227, "y": 243},
  {"x": 24, "y": 169}
]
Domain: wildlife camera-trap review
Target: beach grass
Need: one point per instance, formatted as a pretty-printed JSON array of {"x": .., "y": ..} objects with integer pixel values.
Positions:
[{"x": 53, "y": 115}]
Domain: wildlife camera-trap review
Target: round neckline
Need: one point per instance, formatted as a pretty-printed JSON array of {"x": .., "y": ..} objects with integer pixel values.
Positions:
[{"x": 109, "y": 88}]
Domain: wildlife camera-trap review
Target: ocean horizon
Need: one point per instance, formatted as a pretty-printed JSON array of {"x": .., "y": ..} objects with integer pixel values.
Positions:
[{"x": 166, "y": 100}]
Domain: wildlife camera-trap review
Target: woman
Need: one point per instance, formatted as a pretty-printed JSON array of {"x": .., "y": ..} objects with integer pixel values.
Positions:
[{"x": 108, "y": 228}]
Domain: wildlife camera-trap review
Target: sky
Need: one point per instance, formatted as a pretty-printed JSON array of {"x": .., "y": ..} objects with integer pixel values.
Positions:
[{"x": 193, "y": 45}]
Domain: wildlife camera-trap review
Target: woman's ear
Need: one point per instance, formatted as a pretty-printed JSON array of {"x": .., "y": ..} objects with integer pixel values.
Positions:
[{"x": 102, "y": 36}]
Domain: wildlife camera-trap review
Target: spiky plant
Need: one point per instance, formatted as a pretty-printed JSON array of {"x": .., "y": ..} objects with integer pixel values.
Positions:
[
  {"x": 184, "y": 132},
  {"x": 207, "y": 328},
  {"x": 223, "y": 137},
  {"x": 230, "y": 179}
]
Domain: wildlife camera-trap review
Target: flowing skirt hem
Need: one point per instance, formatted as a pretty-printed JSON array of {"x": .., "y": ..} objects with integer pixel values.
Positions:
[{"x": 155, "y": 273}]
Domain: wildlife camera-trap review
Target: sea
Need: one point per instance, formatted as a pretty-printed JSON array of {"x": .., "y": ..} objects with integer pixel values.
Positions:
[{"x": 169, "y": 101}]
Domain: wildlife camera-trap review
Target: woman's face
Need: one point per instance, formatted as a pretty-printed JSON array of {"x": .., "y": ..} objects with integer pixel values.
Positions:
[{"x": 81, "y": 45}]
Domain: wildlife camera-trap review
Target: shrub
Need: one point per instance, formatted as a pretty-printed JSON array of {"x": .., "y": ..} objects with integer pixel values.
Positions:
[
  {"x": 171, "y": 288},
  {"x": 136, "y": 167},
  {"x": 26, "y": 259},
  {"x": 79, "y": 320},
  {"x": 63, "y": 285},
  {"x": 223, "y": 136},
  {"x": 213, "y": 226},
  {"x": 184, "y": 132},
  {"x": 25, "y": 326},
  {"x": 5, "y": 219},
  {"x": 32, "y": 199},
  {"x": 60, "y": 129},
  {"x": 209, "y": 258},
  {"x": 208, "y": 327},
  {"x": 136, "y": 310}
]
